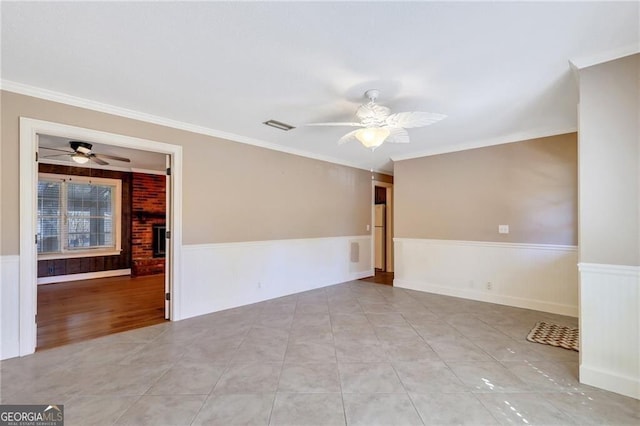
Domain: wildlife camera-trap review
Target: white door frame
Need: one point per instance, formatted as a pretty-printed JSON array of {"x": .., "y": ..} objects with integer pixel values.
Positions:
[
  {"x": 388, "y": 224},
  {"x": 29, "y": 131}
]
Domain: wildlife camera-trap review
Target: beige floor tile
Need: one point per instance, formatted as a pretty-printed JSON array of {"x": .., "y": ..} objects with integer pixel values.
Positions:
[
  {"x": 389, "y": 353},
  {"x": 524, "y": 408},
  {"x": 483, "y": 377},
  {"x": 369, "y": 378},
  {"x": 96, "y": 410},
  {"x": 249, "y": 378},
  {"x": 309, "y": 378},
  {"x": 597, "y": 408},
  {"x": 380, "y": 409},
  {"x": 162, "y": 410},
  {"x": 428, "y": 377},
  {"x": 446, "y": 409},
  {"x": 195, "y": 379},
  {"x": 317, "y": 409},
  {"x": 236, "y": 409}
]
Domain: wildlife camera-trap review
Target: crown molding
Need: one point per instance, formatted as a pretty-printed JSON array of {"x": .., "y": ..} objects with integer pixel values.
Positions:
[
  {"x": 583, "y": 62},
  {"x": 501, "y": 140},
  {"x": 63, "y": 98}
]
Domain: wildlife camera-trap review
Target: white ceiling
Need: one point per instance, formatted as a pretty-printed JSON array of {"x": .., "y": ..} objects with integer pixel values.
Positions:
[{"x": 499, "y": 70}]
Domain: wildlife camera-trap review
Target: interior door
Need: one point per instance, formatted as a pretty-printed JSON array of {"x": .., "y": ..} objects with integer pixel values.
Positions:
[{"x": 168, "y": 264}]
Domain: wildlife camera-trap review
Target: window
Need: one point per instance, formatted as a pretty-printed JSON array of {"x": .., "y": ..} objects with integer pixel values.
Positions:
[{"x": 78, "y": 216}]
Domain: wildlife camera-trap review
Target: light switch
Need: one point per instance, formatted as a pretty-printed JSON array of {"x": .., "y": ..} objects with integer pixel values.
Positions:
[
  {"x": 503, "y": 229},
  {"x": 368, "y": 227}
]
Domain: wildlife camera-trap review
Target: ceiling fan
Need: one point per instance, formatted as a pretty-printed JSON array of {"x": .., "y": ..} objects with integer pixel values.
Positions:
[
  {"x": 379, "y": 125},
  {"x": 82, "y": 153}
]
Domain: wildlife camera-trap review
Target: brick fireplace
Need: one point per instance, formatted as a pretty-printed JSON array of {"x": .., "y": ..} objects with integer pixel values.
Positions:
[{"x": 148, "y": 217}]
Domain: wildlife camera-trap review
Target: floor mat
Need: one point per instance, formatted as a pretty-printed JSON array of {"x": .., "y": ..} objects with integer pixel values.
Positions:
[{"x": 555, "y": 335}]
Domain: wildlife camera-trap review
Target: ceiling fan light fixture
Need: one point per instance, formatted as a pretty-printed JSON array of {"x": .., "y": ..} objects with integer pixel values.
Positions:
[
  {"x": 79, "y": 158},
  {"x": 372, "y": 137}
]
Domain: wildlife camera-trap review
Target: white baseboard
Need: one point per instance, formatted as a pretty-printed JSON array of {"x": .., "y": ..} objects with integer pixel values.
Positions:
[
  {"x": 611, "y": 381},
  {"x": 610, "y": 327},
  {"x": 9, "y": 306},
  {"x": 223, "y": 276},
  {"x": 518, "y": 302},
  {"x": 533, "y": 276},
  {"x": 83, "y": 276}
]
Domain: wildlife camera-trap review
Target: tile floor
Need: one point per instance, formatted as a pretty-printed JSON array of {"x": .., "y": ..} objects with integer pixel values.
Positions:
[{"x": 356, "y": 353}]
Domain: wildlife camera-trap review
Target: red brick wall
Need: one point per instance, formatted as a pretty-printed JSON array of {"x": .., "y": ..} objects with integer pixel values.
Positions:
[{"x": 149, "y": 207}]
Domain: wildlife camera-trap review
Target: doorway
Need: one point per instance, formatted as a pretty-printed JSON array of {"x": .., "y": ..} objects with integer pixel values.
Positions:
[
  {"x": 30, "y": 131},
  {"x": 85, "y": 209},
  {"x": 382, "y": 231}
]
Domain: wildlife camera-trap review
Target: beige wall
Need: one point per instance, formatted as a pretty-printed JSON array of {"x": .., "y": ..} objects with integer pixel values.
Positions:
[
  {"x": 610, "y": 162},
  {"x": 232, "y": 191},
  {"x": 530, "y": 186}
]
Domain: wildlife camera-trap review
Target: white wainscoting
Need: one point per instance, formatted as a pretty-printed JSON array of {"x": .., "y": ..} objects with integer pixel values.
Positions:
[
  {"x": 610, "y": 327},
  {"x": 9, "y": 306},
  {"x": 222, "y": 276},
  {"x": 533, "y": 276}
]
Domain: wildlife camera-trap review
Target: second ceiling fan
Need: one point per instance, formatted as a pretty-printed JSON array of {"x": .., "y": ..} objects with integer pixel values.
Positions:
[{"x": 82, "y": 153}]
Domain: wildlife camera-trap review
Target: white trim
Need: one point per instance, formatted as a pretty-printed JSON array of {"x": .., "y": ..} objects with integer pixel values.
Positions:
[
  {"x": 601, "y": 268},
  {"x": 50, "y": 95},
  {"x": 83, "y": 276},
  {"x": 236, "y": 244},
  {"x": 29, "y": 130},
  {"x": 602, "y": 57},
  {"x": 524, "y": 246},
  {"x": 610, "y": 381},
  {"x": 28, "y": 228},
  {"x": 9, "y": 309},
  {"x": 501, "y": 140},
  {"x": 519, "y": 302}
]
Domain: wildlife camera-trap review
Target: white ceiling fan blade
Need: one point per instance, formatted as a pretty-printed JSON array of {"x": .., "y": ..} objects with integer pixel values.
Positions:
[
  {"x": 413, "y": 119},
  {"x": 397, "y": 135},
  {"x": 371, "y": 110},
  {"x": 334, "y": 124},
  {"x": 351, "y": 136}
]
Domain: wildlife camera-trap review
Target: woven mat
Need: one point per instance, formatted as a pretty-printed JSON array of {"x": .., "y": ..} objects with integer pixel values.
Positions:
[{"x": 555, "y": 335}]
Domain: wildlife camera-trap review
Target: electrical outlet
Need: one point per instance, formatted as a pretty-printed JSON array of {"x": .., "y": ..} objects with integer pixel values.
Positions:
[{"x": 489, "y": 285}]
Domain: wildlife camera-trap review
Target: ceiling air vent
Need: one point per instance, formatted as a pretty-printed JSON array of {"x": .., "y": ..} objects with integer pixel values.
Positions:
[{"x": 279, "y": 125}]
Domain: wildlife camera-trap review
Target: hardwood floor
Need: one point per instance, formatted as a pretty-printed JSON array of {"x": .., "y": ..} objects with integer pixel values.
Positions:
[
  {"x": 81, "y": 310},
  {"x": 380, "y": 277}
]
